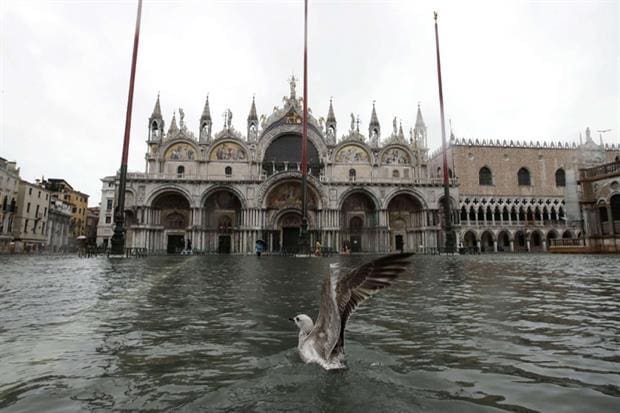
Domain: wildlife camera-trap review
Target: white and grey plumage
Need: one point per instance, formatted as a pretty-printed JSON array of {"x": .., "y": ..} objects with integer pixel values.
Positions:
[{"x": 323, "y": 342}]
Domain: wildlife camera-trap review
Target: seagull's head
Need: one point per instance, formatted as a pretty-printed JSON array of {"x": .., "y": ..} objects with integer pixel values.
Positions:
[{"x": 303, "y": 322}]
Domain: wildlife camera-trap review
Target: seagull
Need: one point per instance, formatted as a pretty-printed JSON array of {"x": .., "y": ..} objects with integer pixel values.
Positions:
[{"x": 323, "y": 342}]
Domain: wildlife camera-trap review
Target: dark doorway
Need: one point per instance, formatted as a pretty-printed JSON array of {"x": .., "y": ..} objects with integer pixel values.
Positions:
[
  {"x": 400, "y": 245},
  {"x": 176, "y": 243},
  {"x": 290, "y": 239},
  {"x": 356, "y": 243},
  {"x": 223, "y": 245}
]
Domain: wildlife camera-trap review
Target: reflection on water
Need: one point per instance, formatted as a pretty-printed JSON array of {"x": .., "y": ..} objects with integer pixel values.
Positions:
[{"x": 474, "y": 333}]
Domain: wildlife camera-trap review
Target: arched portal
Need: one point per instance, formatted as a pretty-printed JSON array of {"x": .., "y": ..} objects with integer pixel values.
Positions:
[
  {"x": 520, "y": 241},
  {"x": 283, "y": 204},
  {"x": 358, "y": 218},
  {"x": 221, "y": 220},
  {"x": 551, "y": 235},
  {"x": 406, "y": 217},
  {"x": 469, "y": 241},
  {"x": 172, "y": 211},
  {"x": 503, "y": 241},
  {"x": 486, "y": 242},
  {"x": 536, "y": 242}
]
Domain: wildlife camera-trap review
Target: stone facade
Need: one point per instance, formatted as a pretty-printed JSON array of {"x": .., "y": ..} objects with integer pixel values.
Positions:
[
  {"x": 223, "y": 192},
  {"x": 518, "y": 196},
  {"x": 600, "y": 201},
  {"x": 62, "y": 190},
  {"x": 9, "y": 191},
  {"x": 29, "y": 229},
  {"x": 59, "y": 227}
]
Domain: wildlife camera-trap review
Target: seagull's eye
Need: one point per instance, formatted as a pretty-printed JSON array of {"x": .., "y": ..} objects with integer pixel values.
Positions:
[{"x": 296, "y": 318}]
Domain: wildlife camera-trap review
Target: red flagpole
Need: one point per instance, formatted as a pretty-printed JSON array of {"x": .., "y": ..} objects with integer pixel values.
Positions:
[
  {"x": 118, "y": 239},
  {"x": 304, "y": 143},
  {"x": 450, "y": 236}
]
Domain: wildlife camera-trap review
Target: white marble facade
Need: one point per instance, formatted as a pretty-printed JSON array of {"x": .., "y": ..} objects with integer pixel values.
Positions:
[{"x": 224, "y": 192}]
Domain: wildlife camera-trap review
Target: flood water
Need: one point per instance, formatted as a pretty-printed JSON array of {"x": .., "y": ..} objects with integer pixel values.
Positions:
[{"x": 518, "y": 333}]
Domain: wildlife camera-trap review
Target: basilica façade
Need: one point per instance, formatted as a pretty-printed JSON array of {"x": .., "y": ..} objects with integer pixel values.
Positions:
[{"x": 226, "y": 190}]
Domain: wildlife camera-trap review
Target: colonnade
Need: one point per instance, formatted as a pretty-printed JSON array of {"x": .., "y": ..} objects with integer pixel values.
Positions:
[{"x": 251, "y": 225}]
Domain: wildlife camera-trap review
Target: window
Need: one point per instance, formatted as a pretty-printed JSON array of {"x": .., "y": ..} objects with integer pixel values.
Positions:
[
  {"x": 43, "y": 228},
  {"x": 29, "y": 191},
  {"x": 180, "y": 171},
  {"x": 485, "y": 177},
  {"x": 228, "y": 171},
  {"x": 46, "y": 196},
  {"x": 108, "y": 220},
  {"x": 45, "y": 212},
  {"x": 109, "y": 204},
  {"x": 560, "y": 177},
  {"x": 615, "y": 207},
  {"x": 523, "y": 177},
  {"x": 395, "y": 173},
  {"x": 39, "y": 195},
  {"x": 36, "y": 213},
  {"x": 28, "y": 208},
  {"x": 352, "y": 174},
  {"x": 25, "y": 226}
]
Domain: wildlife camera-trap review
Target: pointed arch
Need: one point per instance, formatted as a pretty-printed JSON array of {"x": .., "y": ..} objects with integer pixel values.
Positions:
[
  {"x": 485, "y": 177},
  {"x": 523, "y": 177},
  {"x": 560, "y": 178}
]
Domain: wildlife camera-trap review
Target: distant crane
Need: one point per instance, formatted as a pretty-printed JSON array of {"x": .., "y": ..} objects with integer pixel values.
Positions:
[{"x": 601, "y": 132}]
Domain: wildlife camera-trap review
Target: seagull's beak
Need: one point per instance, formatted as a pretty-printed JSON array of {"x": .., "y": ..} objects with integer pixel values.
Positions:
[{"x": 291, "y": 318}]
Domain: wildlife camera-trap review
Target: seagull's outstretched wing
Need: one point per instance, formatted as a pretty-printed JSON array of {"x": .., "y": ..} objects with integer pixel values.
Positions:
[
  {"x": 341, "y": 295},
  {"x": 326, "y": 330},
  {"x": 363, "y": 282}
]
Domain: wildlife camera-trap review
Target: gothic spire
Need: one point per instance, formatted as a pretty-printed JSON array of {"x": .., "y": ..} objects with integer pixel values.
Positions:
[
  {"x": 374, "y": 128},
  {"x": 419, "y": 130},
  {"x": 330, "y": 125},
  {"x": 330, "y": 114},
  {"x": 206, "y": 112},
  {"x": 156, "y": 110},
  {"x": 173, "y": 126},
  {"x": 252, "y": 116},
  {"x": 419, "y": 122},
  {"x": 156, "y": 122},
  {"x": 374, "y": 121}
]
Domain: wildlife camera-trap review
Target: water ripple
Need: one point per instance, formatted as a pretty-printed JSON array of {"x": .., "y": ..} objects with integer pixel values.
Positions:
[{"x": 519, "y": 333}]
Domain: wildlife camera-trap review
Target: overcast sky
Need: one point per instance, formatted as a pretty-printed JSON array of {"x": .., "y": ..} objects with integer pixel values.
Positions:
[{"x": 534, "y": 70}]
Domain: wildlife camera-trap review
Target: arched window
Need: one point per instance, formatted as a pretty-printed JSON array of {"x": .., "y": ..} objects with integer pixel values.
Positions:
[
  {"x": 180, "y": 171},
  {"x": 395, "y": 173},
  {"x": 352, "y": 174},
  {"x": 484, "y": 176},
  {"x": 560, "y": 177},
  {"x": 356, "y": 223},
  {"x": 228, "y": 171},
  {"x": 524, "y": 177},
  {"x": 175, "y": 220}
]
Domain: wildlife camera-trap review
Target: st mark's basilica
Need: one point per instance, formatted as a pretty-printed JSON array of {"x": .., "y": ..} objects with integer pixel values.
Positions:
[{"x": 225, "y": 190}]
